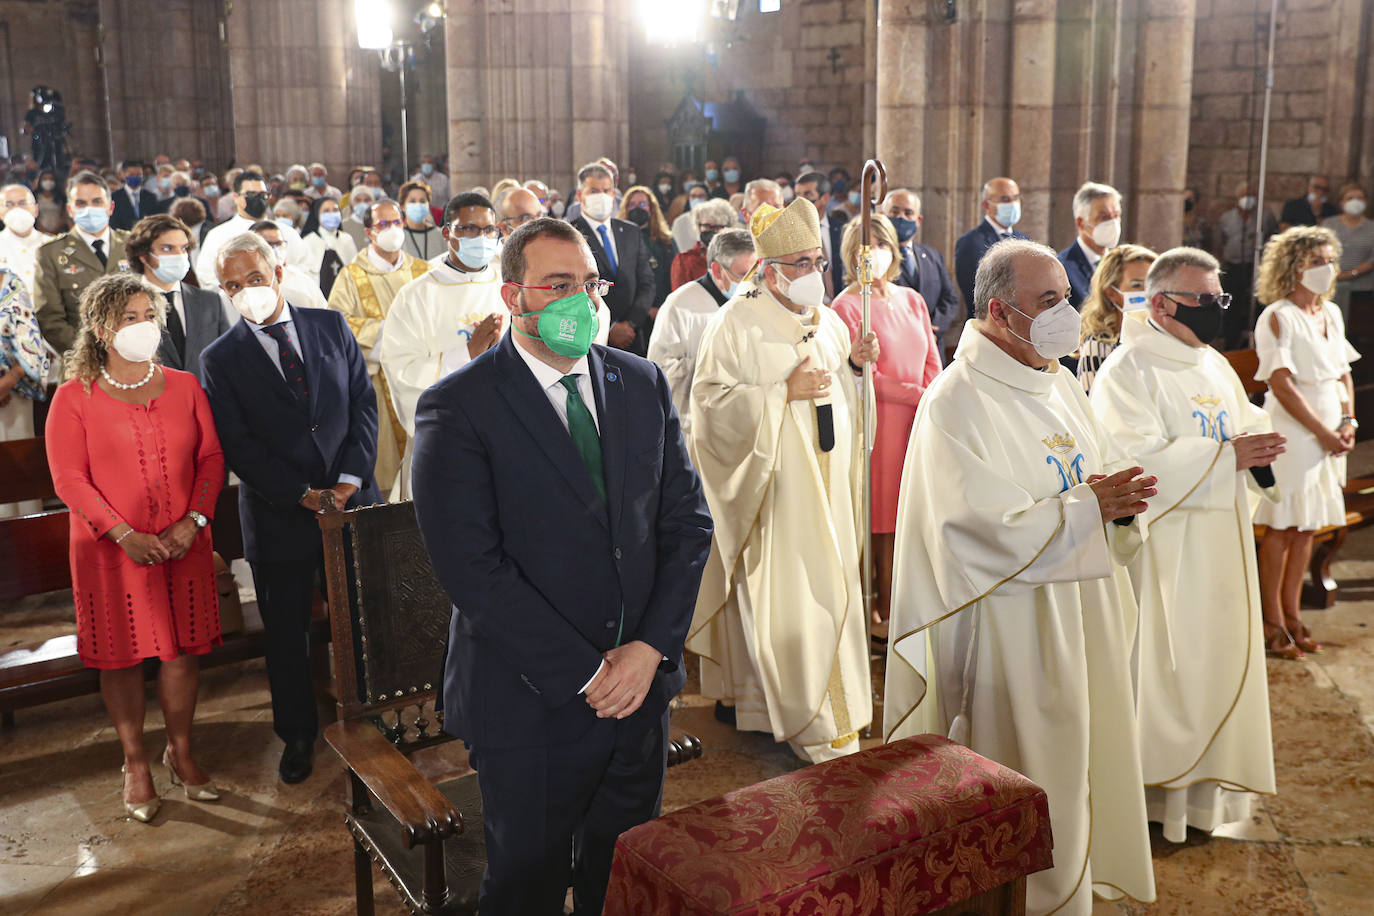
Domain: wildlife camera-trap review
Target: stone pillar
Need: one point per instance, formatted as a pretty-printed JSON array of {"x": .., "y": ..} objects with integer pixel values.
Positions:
[
  {"x": 1164, "y": 38},
  {"x": 537, "y": 91},
  {"x": 903, "y": 90},
  {"x": 302, "y": 88},
  {"x": 1031, "y": 126}
]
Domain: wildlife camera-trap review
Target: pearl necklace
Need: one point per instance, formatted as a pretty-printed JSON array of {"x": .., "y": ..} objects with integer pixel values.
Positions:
[{"x": 152, "y": 367}]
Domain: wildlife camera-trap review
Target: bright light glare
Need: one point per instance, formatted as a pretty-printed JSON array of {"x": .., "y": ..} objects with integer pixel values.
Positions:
[
  {"x": 671, "y": 23},
  {"x": 374, "y": 23},
  {"x": 435, "y": 10},
  {"x": 769, "y": 6}
]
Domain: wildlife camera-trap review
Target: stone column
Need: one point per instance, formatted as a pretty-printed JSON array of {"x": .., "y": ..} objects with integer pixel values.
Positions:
[
  {"x": 1164, "y": 38},
  {"x": 1031, "y": 125},
  {"x": 903, "y": 90},
  {"x": 302, "y": 88}
]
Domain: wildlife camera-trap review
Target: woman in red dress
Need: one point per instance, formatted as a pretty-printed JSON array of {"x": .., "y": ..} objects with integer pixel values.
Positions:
[
  {"x": 910, "y": 359},
  {"x": 134, "y": 455}
]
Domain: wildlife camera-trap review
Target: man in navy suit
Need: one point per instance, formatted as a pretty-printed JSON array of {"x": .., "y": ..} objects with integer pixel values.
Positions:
[
  {"x": 621, "y": 256},
  {"x": 923, "y": 268},
  {"x": 297, "y": 417},
  {"x": 133, "y": 201},
  {"x": 815, "y": 187},
  {"x": 1001, "y": 211},
  {"x": 567, "y": 525},
  {"x": 1097, "y": 216}
]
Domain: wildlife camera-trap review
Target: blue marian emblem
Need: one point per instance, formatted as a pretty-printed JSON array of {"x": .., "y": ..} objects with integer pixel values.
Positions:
[
  {"x": 1070, "y": 469},
  {"x": 1212, "y": 421}
]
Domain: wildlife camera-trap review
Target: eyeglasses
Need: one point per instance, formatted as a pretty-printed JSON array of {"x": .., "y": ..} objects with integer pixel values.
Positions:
[
  {"x": 515, "y": 222},
  {"x": 592, "y": 287},
  {"x": 1205, "y": 300},
  {"x": 804, "y": 266},
  {"x": 471, "y": 232},
  {"x": 386, "y": 224},
  {"x": 710, "y": 227}
]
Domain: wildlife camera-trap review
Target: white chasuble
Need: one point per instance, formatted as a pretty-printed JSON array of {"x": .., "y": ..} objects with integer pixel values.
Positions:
[
  {"x": 1201, "y": 692},
  {"x": 779, "y": 619},
  {"x": 996, "y": 520}
]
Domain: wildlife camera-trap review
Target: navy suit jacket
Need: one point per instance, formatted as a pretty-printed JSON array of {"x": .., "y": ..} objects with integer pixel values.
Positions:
[
  {"x": 123, "y": 216},
  {"x": 932, "y": 280},
  {"x": 539, "y": 569},
  {"x": 633, "y": 294},
  {"x": 279, "y": 447},
  {"x": 969, "y": 250},
  {"x": 1080, "y": 273}
]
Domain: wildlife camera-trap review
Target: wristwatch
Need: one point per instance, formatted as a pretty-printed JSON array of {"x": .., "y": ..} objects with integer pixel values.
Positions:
[
  {"x": 200, "y": 520},
  {"x": 1354, "y": 424}
]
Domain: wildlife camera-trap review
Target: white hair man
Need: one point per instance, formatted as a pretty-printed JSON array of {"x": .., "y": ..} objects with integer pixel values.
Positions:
[
  {"x": 1097, "y": 216},
  {"x": 760, "y": 191},
  {"x": 682, "y": 319},
  {"x": 1007, "y": 571},
  {"x": 1172, "y": 401},
  {"x": 319, "y": 183},
  {"x": 20, "y": 240}
]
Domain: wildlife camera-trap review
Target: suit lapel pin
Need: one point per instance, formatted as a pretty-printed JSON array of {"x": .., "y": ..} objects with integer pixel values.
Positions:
[{"x": 611, "y": 376}]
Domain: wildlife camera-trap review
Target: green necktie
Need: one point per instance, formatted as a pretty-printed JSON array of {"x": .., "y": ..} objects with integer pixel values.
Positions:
[{"x": 582, "y": 428}]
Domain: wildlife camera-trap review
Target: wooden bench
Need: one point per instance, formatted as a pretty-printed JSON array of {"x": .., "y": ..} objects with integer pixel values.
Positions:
[{"x": 35, "y": 562}]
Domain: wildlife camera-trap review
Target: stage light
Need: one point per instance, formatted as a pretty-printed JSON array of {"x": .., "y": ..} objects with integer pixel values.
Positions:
[
  {"x": 373, "y": 18},
  {"x": 670, "y": 24},
  {"x": 435, "y": 10}
]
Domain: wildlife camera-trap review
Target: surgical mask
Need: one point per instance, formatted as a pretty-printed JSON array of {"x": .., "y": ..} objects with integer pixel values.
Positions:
[
  {"x": 1353, "y": 207},
  {"x": 417, "y": 212},
  {"x": 1107, "y": 233},
  {"x": 788, "y": 195},
  {"x": 360, "y": 210},
  {"x": 256, "y": 303},
  {"x": 1314, "y": 197},
  {"x": 211, "y": 191},
  {"x": 906, "y": 228},
  {"x": 807, "y": 290},
  {"x": 692, "y": 202},
  {"x": 297, "y": 185},
  {"x": 732, "y": 175},
  {"x": 318, "y": 180},
  {"x": 558, "y": 208},
  {"x": 567, "y": 325},
  {"x": 331, "y": 220},
  {"x": 47, "y": 184},
  {"x": 138, "y": 342},
  {"x": 18, "y": 220},
  {"x": 134, "y": 181},
  {"x": 1203, "y": 320},
  {"x": 181, "y": 190},
  {"x": 882, "y": 260},
  {"x": 687, "y": 186},
  {"x": 172, "y": 267},
  {"x": 426, "y": 168},
  {"x": 854, "y": 198},
  {"x": 1319, "y": 279},
  {"x": 92, "y": 219},
  {"x": 712, "y": 174},
  {"x": 631, "y": 180},
  {"x": 1247, "y": 202},
  {"x": 665, "y": 188},
  {"x": 255, "y": 203},
  {"x": 477, "y": 253},
  {"x": 734, "y": 284},
  {"x": 1009, "y": 213},
  {"x": 164, "y": 183},
  {"x": 391, "y": 238},
  {"x": 285, "y": 222},
  {"x": 1055, "y": 332},
  {"x": 598, "y": 206},
  {"x": 1133, "y": 300}
]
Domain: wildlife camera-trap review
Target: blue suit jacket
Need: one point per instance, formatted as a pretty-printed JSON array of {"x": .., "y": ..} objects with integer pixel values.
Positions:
[
  {"x": 278, "y": 447},
  {"x": 1080, "y": 273},
  {"x": 969, "y": 250},
  {"x": 933, "y": 282},
  {"x": 539, "y": 569}
]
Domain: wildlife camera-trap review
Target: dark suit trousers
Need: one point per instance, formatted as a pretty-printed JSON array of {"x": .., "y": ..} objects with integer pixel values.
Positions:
[
  {"x": 286, "y": 592},
  {"x": 553, "y": 813}
]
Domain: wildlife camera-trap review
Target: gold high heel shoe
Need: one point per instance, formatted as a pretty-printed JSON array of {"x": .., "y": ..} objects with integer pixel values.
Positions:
[
  {"x": 206, "y": 791},
  {"x": 144, "y": 812}
]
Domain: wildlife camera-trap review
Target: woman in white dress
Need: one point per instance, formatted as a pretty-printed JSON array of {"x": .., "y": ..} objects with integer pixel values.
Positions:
[{"x": 1305, "y": 358}]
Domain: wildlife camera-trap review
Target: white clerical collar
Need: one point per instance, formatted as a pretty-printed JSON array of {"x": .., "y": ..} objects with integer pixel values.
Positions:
[
  {"x": 381, "y": 264},
  {"x": 445, "y": 273},
  {"x": 90, "y": 240},
  {"x": 1093, "y": 256},
  {"x": 1005, "y": 232},
  {"x": 34, "y": 238},
  {"x": 547, "y": 376},
  {"x": 986, "y": 357}
]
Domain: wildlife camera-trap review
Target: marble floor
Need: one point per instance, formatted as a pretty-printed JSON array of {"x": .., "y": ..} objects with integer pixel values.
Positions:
[{"x": 66, "y": 848}]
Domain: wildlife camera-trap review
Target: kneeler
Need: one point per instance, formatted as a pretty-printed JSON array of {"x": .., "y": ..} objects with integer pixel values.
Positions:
[{"x": 920, "y": 826}]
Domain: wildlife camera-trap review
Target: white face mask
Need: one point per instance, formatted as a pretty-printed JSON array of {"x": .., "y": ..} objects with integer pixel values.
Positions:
[
  {"x": 1247, "y": 202},
  {"x": 1319, "y": 279},
  {"x": 20, "y": 221},
  {"x": 598, "y": 206},
  {"x": 1055, "y": 332},
  {"x": 391, "y": 238},
  {"x": 138, "y": 342},
  {"x": 1133, "y": 300},
  {"x": 807, "y": 290},
  {"x": 1353, "y": 207},
  {"x": 1107, "y": 233},
  {"x": 882, "y": 260},
  {"x": 256, "y": 303}
]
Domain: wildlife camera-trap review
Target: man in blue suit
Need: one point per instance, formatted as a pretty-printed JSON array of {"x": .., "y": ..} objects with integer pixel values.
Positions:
[
  {"x": 566, "y": 523},
  {"x": 923, "y": 267},
  {"x": 297, "y": 417},
  {"x": 1097, "y": 216},
  {"x": 1001, "y": 211}
]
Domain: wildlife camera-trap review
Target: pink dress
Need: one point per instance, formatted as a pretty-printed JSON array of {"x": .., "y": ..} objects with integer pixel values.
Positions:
[{"x": 908, "y": 360}]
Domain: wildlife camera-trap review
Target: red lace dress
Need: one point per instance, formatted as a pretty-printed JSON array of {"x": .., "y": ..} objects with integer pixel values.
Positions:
[{"x": 146, "y": 465}]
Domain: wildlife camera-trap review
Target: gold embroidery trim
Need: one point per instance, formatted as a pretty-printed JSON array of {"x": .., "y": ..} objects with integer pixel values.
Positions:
[{"x": 1205, "y": 474}]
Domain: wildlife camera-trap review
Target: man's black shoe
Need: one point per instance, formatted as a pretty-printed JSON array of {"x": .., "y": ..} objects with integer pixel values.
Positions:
[
  {"x": 296, "y": 760},
  {"x": 725, "y": 713}
]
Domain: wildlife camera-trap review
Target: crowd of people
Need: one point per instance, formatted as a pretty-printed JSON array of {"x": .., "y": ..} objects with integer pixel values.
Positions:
[{"x": 1061, "y": 518}]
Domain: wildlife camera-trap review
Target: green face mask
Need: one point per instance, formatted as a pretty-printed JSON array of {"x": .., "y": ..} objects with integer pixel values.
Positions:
[{"x": 567, "y": 325}]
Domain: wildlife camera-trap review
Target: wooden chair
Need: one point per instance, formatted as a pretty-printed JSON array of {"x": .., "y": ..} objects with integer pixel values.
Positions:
[{"x": 386, "y": 604}]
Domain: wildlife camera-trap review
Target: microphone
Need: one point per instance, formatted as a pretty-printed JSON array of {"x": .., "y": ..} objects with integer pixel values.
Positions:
[
  {"x": 1264, "y": 476},
  {"x": 825, "y": 426}
]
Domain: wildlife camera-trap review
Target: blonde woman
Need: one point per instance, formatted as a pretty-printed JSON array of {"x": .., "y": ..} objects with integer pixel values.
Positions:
[
  {"x": 1304, "y": 356},
  {"x": 1118, "y": 286},
  {"x": 135, "y": 456},
  {"x": 909, "y": 361}
]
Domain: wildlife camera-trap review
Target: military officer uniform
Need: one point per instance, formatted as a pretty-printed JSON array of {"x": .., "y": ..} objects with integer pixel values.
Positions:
[{"x": 66, "y": 266}]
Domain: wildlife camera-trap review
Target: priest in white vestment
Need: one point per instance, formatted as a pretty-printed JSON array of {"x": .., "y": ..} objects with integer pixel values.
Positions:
[
  {"x": 1005, "y": 516},
  {"x": 688, "y": 309},
  {"x": 779, "y": 619},
  {"x": 1175, "y": 404}
]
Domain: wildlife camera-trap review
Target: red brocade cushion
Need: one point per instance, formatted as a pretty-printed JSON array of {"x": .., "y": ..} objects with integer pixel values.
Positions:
[{"x": 903, "y": 828}]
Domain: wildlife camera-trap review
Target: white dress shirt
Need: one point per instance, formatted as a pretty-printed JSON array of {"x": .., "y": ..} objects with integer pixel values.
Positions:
[
  {"x": 610, "y": 234},
  {"x": 1093, "y": 256},
  {"x": 90, "y": 240},
  {"x": 1003, "y": 231}
]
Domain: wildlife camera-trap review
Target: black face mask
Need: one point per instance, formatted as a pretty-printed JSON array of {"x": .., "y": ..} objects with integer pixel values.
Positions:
[
  {"x": 1202, "y": 320},
  {"x": 639, "y": 216},
  {"x": 1188, "y": 204},
  {"x": 181, "y": 190},
  {"x": 706, "y": 239},
  {"x": 255, "y": 203}
]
